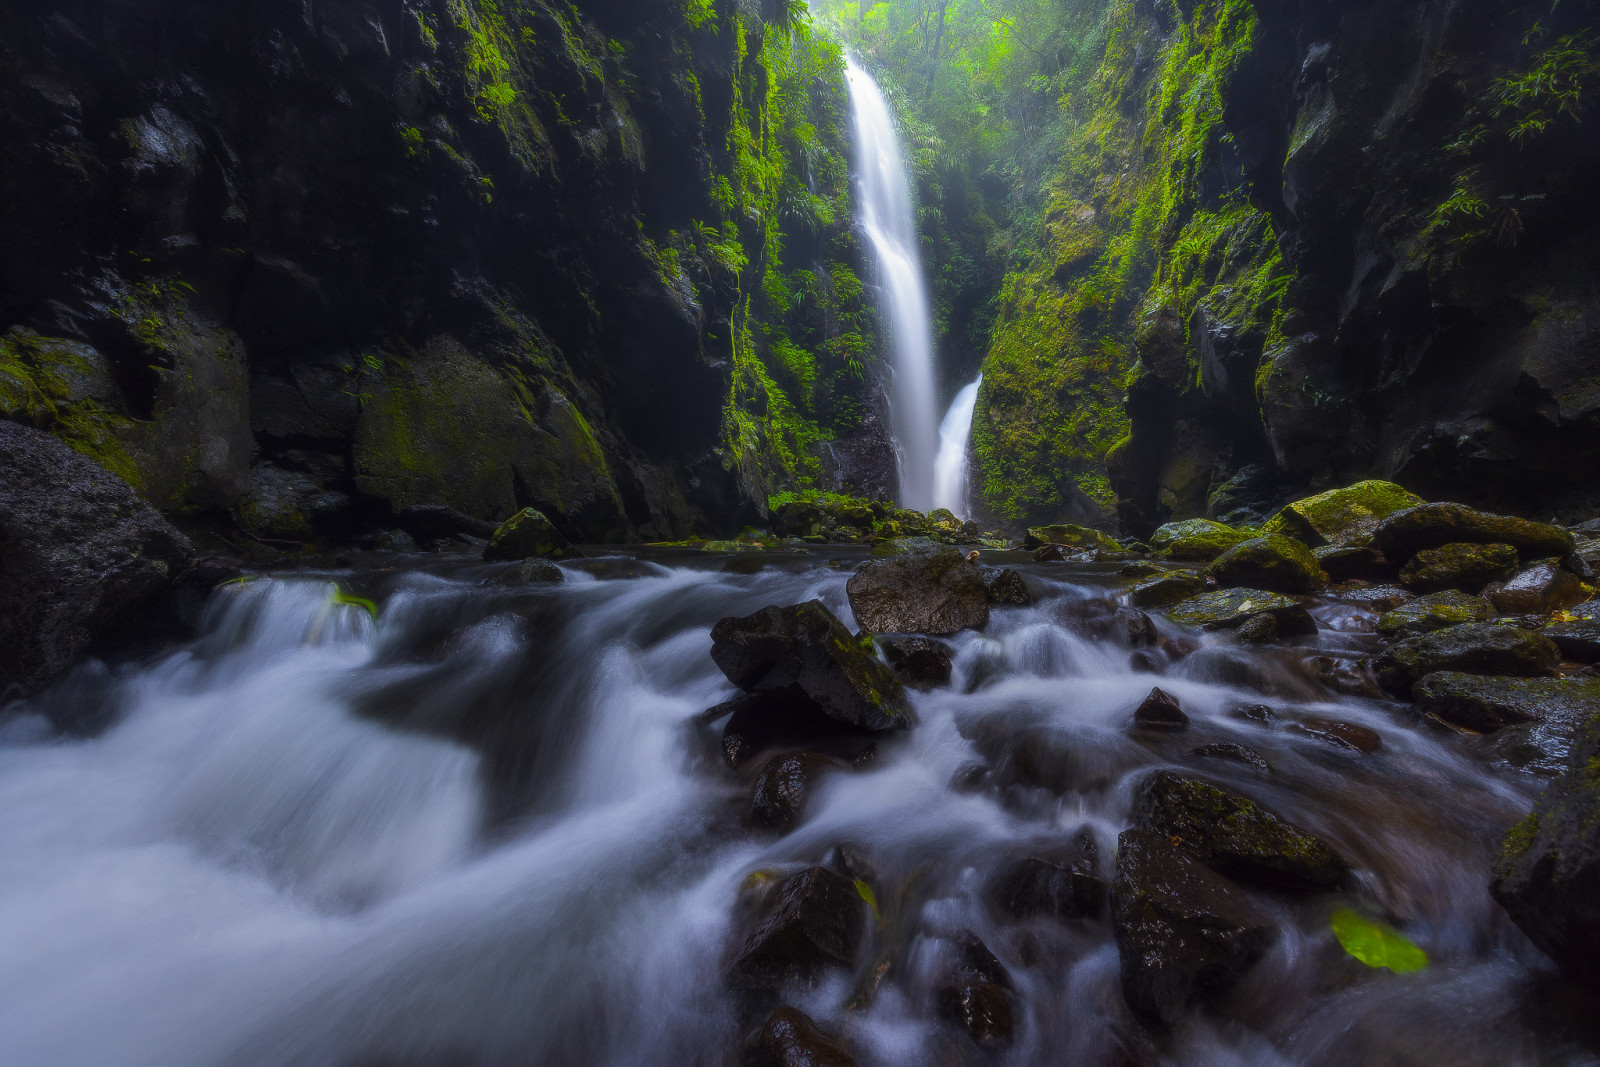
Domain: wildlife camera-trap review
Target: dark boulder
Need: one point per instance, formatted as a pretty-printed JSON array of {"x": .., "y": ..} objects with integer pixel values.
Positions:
[
  {"x": 919, "y": 662},
  {"x": 1434, "y": 612},
  {"x": 528, "y": 572},
  {"x": 1478, "y": 648},
  {"x": 982, "y": 1009},
  {"x": 1468, "y": 567},
  {"x": 1183, "y": 932},
  {"x": 1489, "y": 704},
  {"x": 806, "y": 646},
  {"x": 815, "y": 923},
  {"x": 779, "y": 718},
  {"x": 1344, "y": 563},
  {"x": 1259, "y": 629},
  {"x": 785, "y": 785},
  {"x": 1405, "y": 533},
  {"x": 1005, "y": 586},
  {"x": 527, "y": 534},
  {"x": 1538, "y": 590},
  {"x": 1232, "y": 752},
  {"x": 1160, "y": 711},
  {"x": 1579, "y": 640},
  {"x": 1278, "y": 563},
  {"x": 1342, "y": 516},
  {"x": 1227, "y": 608},
  {"x": 1030, "y": 888},
  {"x": 791, "y": 1038},
  {"x": 937, "y": 593},
  {"x": 427, "y": 523},
  {"x": 1166, "y": 591}
]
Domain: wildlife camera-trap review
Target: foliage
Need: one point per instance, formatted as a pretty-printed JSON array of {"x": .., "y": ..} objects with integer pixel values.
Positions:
[{"x": 1377, "y": 944}]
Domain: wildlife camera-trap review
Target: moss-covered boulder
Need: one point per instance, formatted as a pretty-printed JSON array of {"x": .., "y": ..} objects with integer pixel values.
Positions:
[
  {"x": 1227, "y": 608},
  {"x": 1198, "y": 540},
  {"x": 1434, "y": 612},
  {"x": 1341, "y": 516},
  {"x": 1234, "y": 835},
  {"x": 1072, "y": 536},
  {"x": 1465, "y": 566},
  {"x": 1489, "y": 704},
  {"x": 1279, "y": 563},
  {"x": 904, "y": 546},
  {"x": 526, "y": 535},
  {"x": 1538, "y": 590},
  {"x": 936, "y": 593},
  {"x": 1167, "y": 590},
  {"x": 1476, "y": 647},
  {"x": 1405, "y": 533}
]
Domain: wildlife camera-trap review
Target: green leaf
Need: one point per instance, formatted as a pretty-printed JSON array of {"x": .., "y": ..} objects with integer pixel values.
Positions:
[
  {"x": 350, "y": 600},
  {"x": 867, "y": 895},
  {"x": 1377, "y": 944}
]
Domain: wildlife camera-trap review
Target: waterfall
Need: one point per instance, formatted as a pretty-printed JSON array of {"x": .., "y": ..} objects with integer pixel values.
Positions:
[
  {"x": 890, "y": 226},
  {"x": 950, "y": 469}
]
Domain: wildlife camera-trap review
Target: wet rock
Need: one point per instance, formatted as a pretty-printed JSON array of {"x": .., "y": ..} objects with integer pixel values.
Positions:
[
  {"x": 784, "y": 786},
  {"x": 1234, "y": 835},
  {"x": 1160, "y": 711},
  {"x": 791, "y": 1038},
  {"x": 1078, "y": 538},
  {"x": 777, "y": 718},
  {"x": 1052, "y": 553},
  {"x": 919, "y": 662},
  {"x": 1341, "y": 516},
  {"x": 1538, "y": 590},
  {"x": 1233, "y": 753},
  {"x": 1349, "y": 736},
  {"x": 1135, "y": 628},
  {"x": 1374, "y": 597},
  {"x": 982, "y": 1009},
  {"x": 904, "y": 546},
  {"x": 526, "y": 534},
  {"x": 815, "y": 923},
  {"x": 1198, "y": 540},
  {"x": 1256, "y": 713},
  {"x": 1405, "y": 533},
  {"x": 1536, "y": 748},
  {"x": 1489, "y": 704},
  {"x": 428, "y": 523},
  {"x": 1468, "y": 567},
  {"x": 1578, "y": 640},
  {"x": 1032, "y": 888},
  {"x": 1005, "y": 586},
  {"x": 1141, "y": 569},
  {"x": 1478, "y": 648},
  {"x": 618, "y": 568},
  {"x": 1183, "y": 932},
  {"x": 1166, "y": 591},
  {"x": 806, "y": 646},
  {"x": 1259, "y": 629},
  {"x": 529, "y": 572},
  {"x": 1436, "y": 611},
  {"x": 1344, "y": 563},
  {"x": 1227, "y": 608},
  {"x": 1277, "y": 563},
  {"x": 937, "y": 593}
]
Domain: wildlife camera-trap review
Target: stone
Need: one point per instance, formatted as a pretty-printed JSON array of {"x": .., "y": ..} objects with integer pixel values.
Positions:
[
  {"x": 525, "y": 535},
  {"x": 1234, "y": 835},
  {"x": 920, "y": 662},
  {"x": 1435, "y": 611},
  {"x": 1256, "y": 713},
  {"x": 433, "y": 522},
  {"x": 937, "y": 593},
  {"x": 1281, "y": 564},
  {"x": 1005, "y": 586},
  {"x": 1183, "y": 932},
  {"x": 1475, "y": 647},
  {"x": 1578, "y": 640},
  {"x": 1198, "y": 540},
  {"x": 1166, "y": 591},
  {"x": 791, "y": 1038},
  {"x": 528, "y": 572},
  {"x": 1539, "y": 590},
  {"x": 784, "y": 785},
  {"x": 1160, "y": 711},
  {"x": 816, "y": 923},
  {"x": 1490, "y": 704},
  {"x": 1345, "y": 563},
  {"x": 1468, "y": 567},
  {"x": 1227, "y": 608},
  {"x": 1259, "y": 629},
  {"x": 1030, "y": 888},
  {"x": 1341, "y": 516},
  {"x": 1352, "y": 737},
  {"x": 904, "y": 546},
  {"x": 1405, "y": 533},
  {"x": 1232, "y": 752},
  {"x": 1077, "y": 538},
  {"x": 1535, "y": 748},
  {"x": 982, "y": 1009}
]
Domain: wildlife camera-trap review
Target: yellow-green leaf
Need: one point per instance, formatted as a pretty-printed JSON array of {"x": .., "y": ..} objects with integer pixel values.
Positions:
[
  {"x": 350, "y": 600},
  {"x": 1377, "y": 944},
  {"x": 867, "y": 895}
]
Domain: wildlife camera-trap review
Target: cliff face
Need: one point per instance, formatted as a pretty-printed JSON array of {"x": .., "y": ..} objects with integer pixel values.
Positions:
[
  {"x": 307, "y": 264},
  {"x": 1296, "y": 244}
]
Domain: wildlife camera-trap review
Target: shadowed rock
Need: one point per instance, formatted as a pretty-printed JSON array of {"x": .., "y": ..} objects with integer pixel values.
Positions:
[
  {"x": 1434, "y": 612},
  {"x": 816, "y": 923},
  {"x": 1405, "y": 533},
  {"x": 1490, "y": 704},
  {"x": 1478, "y": 648},
  {"x": 937, "y": 593},
  {"x": 1160, "y": 711},
  {"x": 785, "y": 785},
  {"x": 1279, "y": 563},
  {"x": 1468, "y": 567},
  {"x": 1539, "y": 590},
  {"x": 527, "y": 534},
  {"x": 791, "y": 1038},
  {"x": 1227, "y": 608},
  {"x": 919, "y": 662}
]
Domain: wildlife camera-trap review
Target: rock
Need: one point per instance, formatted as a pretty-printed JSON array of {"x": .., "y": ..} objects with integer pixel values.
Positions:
[
  {"x": 1405, "y": 533},
  {"x": 1052, "y": 553},
  {"x": 1548, "y": 874},
  {"x": 1468, "y": 567},
  {"x": 1227, "y": 608},
  {"x": 784, "y": 786},
  {"x": 982, "y": 1009},
  {"x": 528, "y": 572},
  {"x": 1489, "y": 704},
  {"x": 1078, "y": 538},
  {"x": 1198, "y": 540},
  {"x": 1182, "y": 931},
  {"x": 1166, "y": 591},
  {"x": 816, "y": 923},
  {"x": 1341, "y": 516},
  {"x": 1005, "y": 586},
  {"x": 1476, "y": 647},
  {"x": 434, "y": 522},
  {"x": 919, "y": 662},
  {"x": 774, "y": 718},
  {"x": 1234, "y": 835},
  {"x": 1578, "y": 640},
  {"x": 806, "y": 646},
  {"x": 85, "y": 564},
  {"x": 1344, "y": 563},
  {"x": 1277, "y": 563},
  {"x": 1232, "y": 753},
  {"x": 938, "y": 593},
  {"x": 1542, "y": 588},
  {"x": 904, "y": 546},
  {"x": 1160, "y": 711},
  {"x": 1133, "y": 628},
  {"x": 1031, "y": 888},
  {"x": 1434, "y": 612},
  {"x": 1259, "y": 629},
  {"x": 1256, "y": 713},
  {"x": 1346, "y": 735},
  {"x": 527, "y": 534},
  {"x": 790, "y": 1038},
  {"x": 1536, "y": 748}
]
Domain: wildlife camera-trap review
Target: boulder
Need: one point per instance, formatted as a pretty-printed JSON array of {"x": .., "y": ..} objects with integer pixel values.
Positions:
[
  {"x": 1434, "y": 612},
  {"x": 1259, "y": 629},
  {"x": 1345, "y": 563},
  {"x": 1198, "y": 540},
  {"x": 791, "y": 1038},
  {"x": 1160, "y": 711},
  {"x": 1232, "y": 752},
  {"x": 1465, "y": 566},
  {"x": 1341, "y": 516},
  {"x": 905, "y": 546},
  {"x": 1405, "y": 533},
  {"x": 1005, "y": 586},
  {"x": 1538, "y": 590},
  {"x": 1166, "y": 591},
  {"x": 1226, "y": 608},
  {"x": 815, "y": 923},
  {"x": 1067, "y": 535},
  {"x": 919, "y": 662},
  {"x": 1475, "y": 647},
  {"x": 1534, "y": 748},
  {"x": 1349, "y": 736},
  {"x": 528, "y": 572},
  {"x": 427, "y": 523},
  {"x": 85, "y": 564},
  {"x": 1578, "y": 640},
  {"x": 1234, "y": 835},
  {"x": 525, "y": 535},
  {"x": 785, "y": 785},
  {"x": 936, "y": 593},
  {"x": 1489, "y": 704},
  {"x": 807, "y": 647},
  {"x": 1183, "y": 932},
  {"x": 982, "y": 1009},
  {"x": 1031, "y": 888},
  {"x": 1279, "y": 563}
]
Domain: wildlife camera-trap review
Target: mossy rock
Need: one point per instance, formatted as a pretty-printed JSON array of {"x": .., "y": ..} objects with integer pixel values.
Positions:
[
  {"x": 1341, "y": 516},
  {"x": 1489, "y": 704},
  {"x": 1475, "y": 647},
  {"x": 1405, "y": 533},
  {"x": 1435, "y": 611},
  {"x": 1069, "y": 534},
  {"x": 1167, "y": 590},
  {"x": 1199, "y": 540},
  {"x": 1225, "y": 609},
  {"x": 526, "y": 535},
  {"x": 1465, "y": 566},
  {"x": 1541, "y": 589},
  {"x": 904, "y": 546},
  {"x": 1275, "y": 562}
]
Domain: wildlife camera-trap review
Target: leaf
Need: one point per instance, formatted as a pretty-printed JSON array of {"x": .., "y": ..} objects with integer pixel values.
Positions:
[
  {"x": 1377, "y": 944},
  {"x": 350, "y": 600},
  {"x": 866, "y": 894}
]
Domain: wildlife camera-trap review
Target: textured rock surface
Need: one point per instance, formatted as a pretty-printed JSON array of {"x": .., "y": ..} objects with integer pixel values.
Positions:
[
  {"x": 1405, "y": 533},
  {"x": 1228, "y": 608},
  {"x": 1434, "y": 612},
  {"x": 816, "y": 923},
  {"x": 937, "y": 593},
  {"x": 1477, "y": 648},
  {"x": 1538, "y": 590},
  {"x": 1275, "y": 562},
  {"x": 1467, "y": 567},
  {"x": 791, "y": 1038},
  {"x": 1489, "y": 704}
]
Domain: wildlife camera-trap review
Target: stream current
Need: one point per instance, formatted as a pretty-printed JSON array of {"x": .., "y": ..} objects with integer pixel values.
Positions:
[{"x": 489, "y": 828}]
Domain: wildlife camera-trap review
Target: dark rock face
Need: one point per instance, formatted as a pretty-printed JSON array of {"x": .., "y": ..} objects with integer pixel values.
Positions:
[
  {"x": 1478, "y": 648},
  {"x": 84, "y": 562},
  {"x": 1405, "y": 533},
  {"x": 1032, "y": 887},
  {"x": 1277, "y": 563},
  {"x": 1183, "y": 932},
  {"x": 919, "y": 662},
  {"x": 1579, "y": 640},
  {"x": 784, "y": 786},
  {"x": 816, "y": 922},
  {"x": 938, "y": 593},
  {"x": 776, "y": 718},
  {"x": 1005, "y": 586},
  {"x": 1542, "y": 588},
  {"x": 1467, "y": 567},
  {"x": 791, "y": 1038},
  {"x": 982, "y": 1009},
  {"x": 1160, "y": 711},
  {"x": 1490, "y": 704},
  {"x": 1166, "y": 591}
]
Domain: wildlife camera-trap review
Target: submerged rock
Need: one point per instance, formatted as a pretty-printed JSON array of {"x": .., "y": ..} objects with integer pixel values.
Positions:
[
  {"x": 528, "y": 534},
  {"x": 982, "y": 1009},
  {"x": 775, "y": 718},
  {"x": 1341, "y": 516},
  {"x": 937, "y": 593},
  {"x": 1538, "y": 590},
  {"x": 785, "y": 785},
  {"x": 807, "y": 647},
  {"x": 1183, "y": 932},
  {"x": 1405, "y": 533},
  {"x": 1198, "y": 540},
  {"x": 1468, "y": 567},
  {"x": 791, "y": 1038},
  {"x": 1227, "y": 608},
  {"x": 528, "y": 572},
  {"x": 1352, "y": 737},
  {"x": 919, "y": 662},
  {"x": 1436, "y": 611},
  {"x": 1489, "y": 704},
  {"x": 815, "y": 923},
  {"x": 1166, "y": 591},
  {"x": 1232, "y": 753},
  {"x": 1031, "y": 887},
  {"x": 1160, "y": 711},
  {"x": 1478, "y": 648},
  {"x": 1279, "y": 563}
]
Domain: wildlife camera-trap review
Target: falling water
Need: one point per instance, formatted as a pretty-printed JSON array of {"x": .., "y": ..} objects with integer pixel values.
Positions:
[
  {"x": 951, "y": 470},
  {"x": 890, "y": 225}
]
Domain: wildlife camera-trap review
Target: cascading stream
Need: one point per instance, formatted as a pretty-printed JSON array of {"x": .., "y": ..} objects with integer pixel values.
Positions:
[
  {"x": 890, "y": 224},
  {"x": 952, "y": 470}
]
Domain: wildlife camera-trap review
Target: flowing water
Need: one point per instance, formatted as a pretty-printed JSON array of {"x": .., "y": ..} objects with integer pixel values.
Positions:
[
  {"x": 951, "y": 470},
  {"x": 490, "y": 828},
  {"x": 890, "y": 224}
]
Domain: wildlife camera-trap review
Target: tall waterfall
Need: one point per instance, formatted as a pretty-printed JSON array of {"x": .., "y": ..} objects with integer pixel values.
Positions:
[
  {"x": 950, "y": 469},
  {"x": 890, "y": 225}
]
